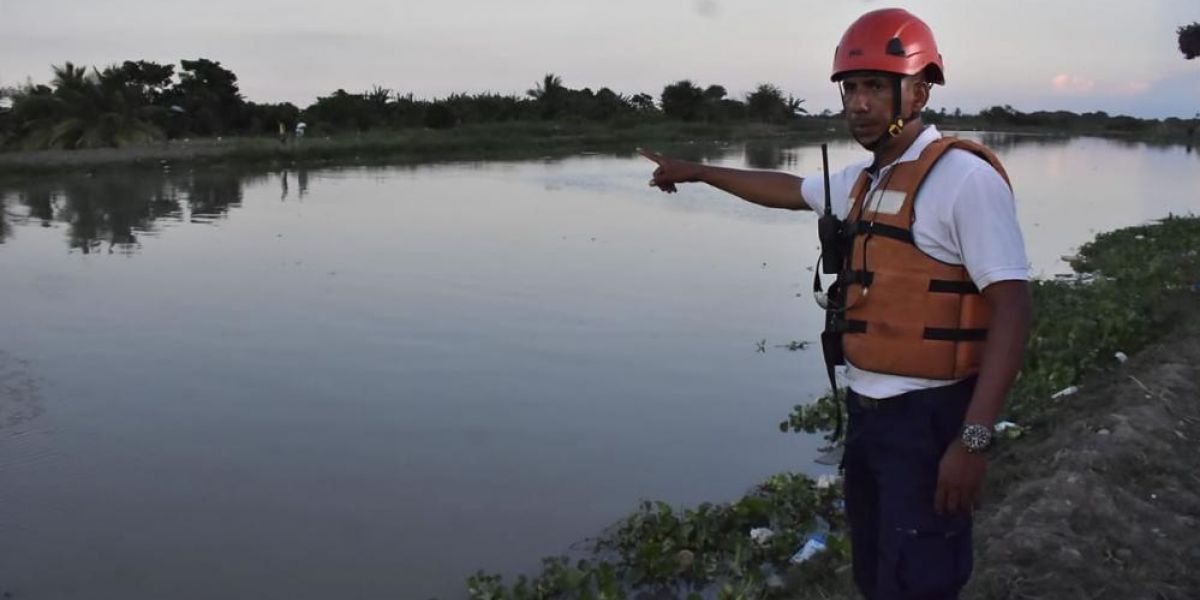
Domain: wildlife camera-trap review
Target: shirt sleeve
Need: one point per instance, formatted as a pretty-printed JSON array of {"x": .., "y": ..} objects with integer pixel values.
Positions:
[
  {"x": 813, "y": 190},
  {"x": 840, "y": 184},
  {"x": 984, "y": 217}
]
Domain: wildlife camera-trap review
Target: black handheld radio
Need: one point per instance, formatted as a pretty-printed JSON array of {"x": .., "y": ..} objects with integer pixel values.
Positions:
[
  {"x": 829, "y": 227},
  {"x": 830, "y": 231}
]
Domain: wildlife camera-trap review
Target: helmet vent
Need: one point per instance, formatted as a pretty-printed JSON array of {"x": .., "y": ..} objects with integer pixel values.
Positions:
[{"x": 895, "y": 48}]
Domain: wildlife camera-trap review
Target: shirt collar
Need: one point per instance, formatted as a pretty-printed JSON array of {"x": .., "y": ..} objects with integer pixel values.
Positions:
[{"x": 927, "y": 136}]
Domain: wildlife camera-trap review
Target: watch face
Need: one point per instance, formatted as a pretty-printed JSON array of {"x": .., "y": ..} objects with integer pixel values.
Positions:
[{"x": 976, "y": 438}]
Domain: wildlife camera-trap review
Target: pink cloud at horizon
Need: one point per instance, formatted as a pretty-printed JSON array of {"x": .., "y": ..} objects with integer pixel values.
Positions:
[{"x": 1064, "y": 82}]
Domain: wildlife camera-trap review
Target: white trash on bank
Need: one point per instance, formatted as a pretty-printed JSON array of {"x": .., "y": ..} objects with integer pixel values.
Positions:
[
  {"x": 1009, "y": 429},
  {"x": 1067, "y": 391},
  {"x": 1121, "y": 357},
  {"x": 827, "y": 480},
  {"x": 761, "y": 535},
  {"x": 814, "y": 543}
]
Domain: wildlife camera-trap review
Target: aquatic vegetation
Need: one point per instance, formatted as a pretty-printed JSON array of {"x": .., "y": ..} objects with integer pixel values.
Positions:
[
  {"x": 1129, "y": 281},
  {"x": 684, "y": 552}
]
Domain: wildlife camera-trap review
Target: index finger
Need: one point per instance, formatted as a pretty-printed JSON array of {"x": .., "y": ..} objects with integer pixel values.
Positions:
[{"x": 654, "y": 156}]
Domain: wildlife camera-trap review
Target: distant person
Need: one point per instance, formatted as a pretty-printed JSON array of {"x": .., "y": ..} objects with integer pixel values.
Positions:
[
  {"x": 282, "y": 133},
  {"x": 927, "y": 224}
]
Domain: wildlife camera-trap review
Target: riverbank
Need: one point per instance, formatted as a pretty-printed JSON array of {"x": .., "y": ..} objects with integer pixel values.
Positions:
[
  {"x": 507, "y": 141},
  {"x": 1092, "y": 494},
  {"x": 497, "y": 141},
  {"x": 1103, "y": 501}
]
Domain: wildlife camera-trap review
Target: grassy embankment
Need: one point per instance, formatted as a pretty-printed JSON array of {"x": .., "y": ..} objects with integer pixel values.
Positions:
[
  {"x": 473, "y": 142},
  {"x": 1133, "y": 285},
  {"x": 515, "y": 140}
]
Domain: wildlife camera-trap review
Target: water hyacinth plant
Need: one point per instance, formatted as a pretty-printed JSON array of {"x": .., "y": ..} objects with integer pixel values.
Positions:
[{"x": 690, "y": 552}]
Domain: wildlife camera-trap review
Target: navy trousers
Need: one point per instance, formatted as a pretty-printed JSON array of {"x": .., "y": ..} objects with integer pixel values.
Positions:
[{"x": 901, "y": 548}]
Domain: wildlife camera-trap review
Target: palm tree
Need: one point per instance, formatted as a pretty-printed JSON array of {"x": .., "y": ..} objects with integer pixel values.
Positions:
[
  {"x": 794, "y": 108},
  {"x": 550, "y": 94},
  {"x": 82, "y": 110}
]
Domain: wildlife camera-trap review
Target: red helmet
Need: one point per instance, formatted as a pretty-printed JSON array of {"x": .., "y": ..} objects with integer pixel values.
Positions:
[{"x": 892, "y": 40}]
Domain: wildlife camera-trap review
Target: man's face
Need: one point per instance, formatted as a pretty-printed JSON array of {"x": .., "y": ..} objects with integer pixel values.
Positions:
[{"x": 867, "y": 99}]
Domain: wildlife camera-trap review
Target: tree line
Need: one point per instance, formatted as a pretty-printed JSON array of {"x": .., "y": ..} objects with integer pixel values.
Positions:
[
  {"x": 141, "y": 101},
  {"x": 137, "y": 102}
]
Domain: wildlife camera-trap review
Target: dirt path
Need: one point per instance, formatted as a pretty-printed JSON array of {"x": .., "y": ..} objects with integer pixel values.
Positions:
[{"x": 1104, "y": 502}]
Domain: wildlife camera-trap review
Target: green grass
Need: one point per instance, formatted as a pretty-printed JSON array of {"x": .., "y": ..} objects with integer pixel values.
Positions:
[{"x": 513, "y": 140}]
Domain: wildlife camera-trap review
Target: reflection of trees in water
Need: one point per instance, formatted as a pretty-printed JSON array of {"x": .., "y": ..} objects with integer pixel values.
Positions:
[
  {"x": 40, "y": 203},
  {"x": 770, "y": 155},
  {"x": 5, "y": 228},
  {"x": 113, "y": 210},
  {"x": 210, "y": 194},
  {"x": 1005, "y": 141},
  {"x": 700, "y": 152}
]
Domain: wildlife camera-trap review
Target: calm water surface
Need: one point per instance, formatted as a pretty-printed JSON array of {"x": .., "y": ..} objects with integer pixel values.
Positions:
[{"x": 368, "y": 383}]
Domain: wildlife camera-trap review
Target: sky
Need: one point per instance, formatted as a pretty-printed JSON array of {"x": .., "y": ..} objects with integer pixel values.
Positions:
[{"x": 1119, "y": 57}]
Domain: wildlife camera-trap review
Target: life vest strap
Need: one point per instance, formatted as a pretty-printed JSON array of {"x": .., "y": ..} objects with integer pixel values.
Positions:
[
  {"x": 939, "y": 334},
  {"x": 848, "y": 326},
  {"x": 955, "y": 335},
  {"x": 952, "y": 287},
  {"x": 871, "y": 228}
]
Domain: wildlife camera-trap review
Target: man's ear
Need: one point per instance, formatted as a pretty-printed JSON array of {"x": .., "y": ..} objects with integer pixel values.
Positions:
[{"x": 920, "y": 95}]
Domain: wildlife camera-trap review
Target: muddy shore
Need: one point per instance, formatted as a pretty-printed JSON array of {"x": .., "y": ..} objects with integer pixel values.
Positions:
[{"x": 1103, "y": 501}]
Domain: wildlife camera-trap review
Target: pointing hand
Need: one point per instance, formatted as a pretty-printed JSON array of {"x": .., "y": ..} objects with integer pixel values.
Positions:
[{"x": 670, "y": 171}]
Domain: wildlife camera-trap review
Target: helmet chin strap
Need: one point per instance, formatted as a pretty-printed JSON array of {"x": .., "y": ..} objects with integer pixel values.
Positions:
[{"x": 896, "y": 126}]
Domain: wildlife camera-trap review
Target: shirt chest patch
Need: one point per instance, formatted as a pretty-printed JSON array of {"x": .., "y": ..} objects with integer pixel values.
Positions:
[{"x": 885, "y": 202}]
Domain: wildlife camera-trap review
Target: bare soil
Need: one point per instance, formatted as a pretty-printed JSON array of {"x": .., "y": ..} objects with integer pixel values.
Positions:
[{"x": 1104, "y": 500}]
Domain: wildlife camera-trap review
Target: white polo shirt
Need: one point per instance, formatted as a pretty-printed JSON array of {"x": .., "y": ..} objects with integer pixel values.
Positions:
[{"x": 965, "y": 215}]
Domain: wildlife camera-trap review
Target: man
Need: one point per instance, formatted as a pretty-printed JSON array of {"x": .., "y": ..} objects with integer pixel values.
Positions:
[{"x": 931, "y": 308}]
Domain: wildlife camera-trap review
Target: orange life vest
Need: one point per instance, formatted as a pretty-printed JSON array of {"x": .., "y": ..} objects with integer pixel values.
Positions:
[{"x": 907, "y": 313}]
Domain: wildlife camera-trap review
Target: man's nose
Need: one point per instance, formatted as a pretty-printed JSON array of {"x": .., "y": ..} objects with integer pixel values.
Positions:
[{"x": 856, "y": 103}]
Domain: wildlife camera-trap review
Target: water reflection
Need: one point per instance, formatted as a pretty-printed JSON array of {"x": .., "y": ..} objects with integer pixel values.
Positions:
[
  {"x": 999, "y": 141},
  {"x": 4, "y": 226},
  {"x": 769, "y": 154},
  {"x": 109, "y": 212},
  {"x": 301, "y": 183}
]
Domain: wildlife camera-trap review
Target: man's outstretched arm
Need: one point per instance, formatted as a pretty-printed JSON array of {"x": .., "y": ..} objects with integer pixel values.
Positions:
[{"x": 765, "y": 188}]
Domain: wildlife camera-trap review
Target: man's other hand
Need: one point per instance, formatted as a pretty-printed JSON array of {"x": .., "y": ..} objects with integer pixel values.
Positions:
[{"x": 960, "y": 477}]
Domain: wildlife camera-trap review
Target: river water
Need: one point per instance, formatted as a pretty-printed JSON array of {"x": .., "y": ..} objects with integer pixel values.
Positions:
[{"x": 370, "y": 382}]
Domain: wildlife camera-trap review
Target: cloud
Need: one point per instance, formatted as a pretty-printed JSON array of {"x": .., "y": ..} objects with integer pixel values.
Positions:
[{"x": 1067, "y": 83}]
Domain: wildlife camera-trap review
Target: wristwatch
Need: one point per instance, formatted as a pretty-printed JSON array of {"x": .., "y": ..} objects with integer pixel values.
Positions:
[{"x": 976, "y": 438}]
